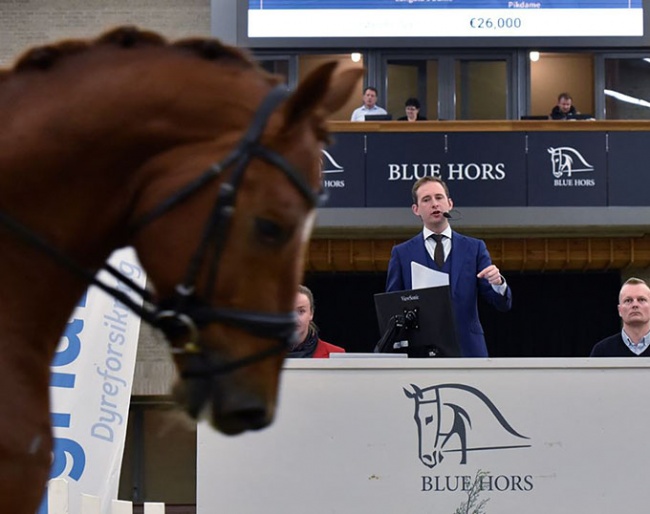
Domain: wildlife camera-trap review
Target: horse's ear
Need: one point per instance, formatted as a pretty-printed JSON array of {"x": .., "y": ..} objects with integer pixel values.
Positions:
[{"x": 324, "y": 89}]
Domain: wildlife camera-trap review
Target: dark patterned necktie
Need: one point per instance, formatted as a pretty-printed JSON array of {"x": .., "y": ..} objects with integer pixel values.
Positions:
[{"x": 439, "y": 252}]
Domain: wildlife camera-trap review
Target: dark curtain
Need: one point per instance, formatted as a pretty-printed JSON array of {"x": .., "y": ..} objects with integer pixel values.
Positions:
[{"x": 553, "y": 314}]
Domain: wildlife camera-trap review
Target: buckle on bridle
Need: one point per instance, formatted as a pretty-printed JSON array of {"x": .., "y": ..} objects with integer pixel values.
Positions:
[{"x": 176, "y": 325}]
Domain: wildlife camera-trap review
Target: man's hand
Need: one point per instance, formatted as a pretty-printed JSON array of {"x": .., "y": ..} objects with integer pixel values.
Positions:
[{"x": 492, "y": 275}]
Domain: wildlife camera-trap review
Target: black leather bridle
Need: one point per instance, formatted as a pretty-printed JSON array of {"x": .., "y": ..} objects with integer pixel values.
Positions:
[{"x": 186, "y": 312}]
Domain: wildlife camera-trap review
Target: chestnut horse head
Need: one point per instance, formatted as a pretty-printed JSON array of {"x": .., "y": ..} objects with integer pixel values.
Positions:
[{"x": 200, "y": 160}]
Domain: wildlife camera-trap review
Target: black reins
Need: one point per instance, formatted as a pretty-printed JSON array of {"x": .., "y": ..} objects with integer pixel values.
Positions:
[{"x": 185, "y": 312}]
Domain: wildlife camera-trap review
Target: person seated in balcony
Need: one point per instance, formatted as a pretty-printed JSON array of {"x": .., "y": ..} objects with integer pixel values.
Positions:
[
  {"x": 307, "y": 343},
  {"x": 564, "y": 110},
  {"x": 412, "y": 108},
  {"x": 369, "y": 105}
]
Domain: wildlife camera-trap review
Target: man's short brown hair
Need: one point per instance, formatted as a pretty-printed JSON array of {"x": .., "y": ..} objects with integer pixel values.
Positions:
[{"x": 424, "y": 180}]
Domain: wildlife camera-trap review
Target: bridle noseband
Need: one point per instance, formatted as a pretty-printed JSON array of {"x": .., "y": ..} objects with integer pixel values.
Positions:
[{"x": 186, "y": 312}]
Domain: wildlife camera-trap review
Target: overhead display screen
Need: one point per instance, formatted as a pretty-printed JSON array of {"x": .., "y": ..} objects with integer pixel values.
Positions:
[{"x": 419, "y": 22}]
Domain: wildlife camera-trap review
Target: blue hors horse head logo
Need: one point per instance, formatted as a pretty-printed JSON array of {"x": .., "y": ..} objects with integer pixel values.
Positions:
[
  {"x": 567, "y": 160},
  {"x": 329, "y": 165},
  {"x": 443, "y": 415}
]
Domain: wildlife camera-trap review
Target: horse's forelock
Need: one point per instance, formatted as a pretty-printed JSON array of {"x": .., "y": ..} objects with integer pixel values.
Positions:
[
  {"x": 129, "y": 37},
  {"x": 44, "y": 57},
  {"x": 213, "y": 49}
]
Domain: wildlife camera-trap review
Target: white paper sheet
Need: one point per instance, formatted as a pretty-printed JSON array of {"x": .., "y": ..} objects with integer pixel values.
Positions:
[{"x": 423, "y": 277}]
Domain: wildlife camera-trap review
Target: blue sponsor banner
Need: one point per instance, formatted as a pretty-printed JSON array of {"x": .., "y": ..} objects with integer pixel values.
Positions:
[
  {"x": 481, "y": 169},
  {"x": 486, "y": 169},
  {"x": 567, "y": 169},
  {"x": 395, "y": 161},
  {"x": 343, "y": 168},
  {"x": 627, "y": 170}
]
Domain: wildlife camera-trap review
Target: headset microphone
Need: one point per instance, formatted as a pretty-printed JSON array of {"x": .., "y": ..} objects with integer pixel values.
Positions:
[{"x": 453, "y": 217}]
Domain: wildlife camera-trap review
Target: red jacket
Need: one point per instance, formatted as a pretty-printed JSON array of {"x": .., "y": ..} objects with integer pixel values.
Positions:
[{"x": 324, "y": 349}]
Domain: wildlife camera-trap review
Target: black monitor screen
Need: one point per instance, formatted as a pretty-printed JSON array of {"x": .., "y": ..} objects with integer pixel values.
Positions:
[
  {"x": 378, "y": 117},
  {"x": 427, "y": 315}
]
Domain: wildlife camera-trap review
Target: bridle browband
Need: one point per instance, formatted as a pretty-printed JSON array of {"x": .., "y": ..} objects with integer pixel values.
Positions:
[{"x": 185, "y": 312}]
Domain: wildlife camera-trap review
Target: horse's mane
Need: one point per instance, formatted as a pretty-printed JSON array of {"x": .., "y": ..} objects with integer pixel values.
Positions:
[{"x": 45, "y": 57}]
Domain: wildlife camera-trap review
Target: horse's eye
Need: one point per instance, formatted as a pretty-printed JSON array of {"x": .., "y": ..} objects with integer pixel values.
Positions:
[{"x": 270, "y": 232}]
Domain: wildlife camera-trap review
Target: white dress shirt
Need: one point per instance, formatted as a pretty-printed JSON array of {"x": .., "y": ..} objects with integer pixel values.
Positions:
[
  {"x": 638, "y": 348},
  {"x": 359, "y": 114}
]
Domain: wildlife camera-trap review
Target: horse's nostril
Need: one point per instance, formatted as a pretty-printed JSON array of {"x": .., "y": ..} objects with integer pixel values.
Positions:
[
  {"x": 253, "y": 418},
  {"x": 240, "y": 420}
]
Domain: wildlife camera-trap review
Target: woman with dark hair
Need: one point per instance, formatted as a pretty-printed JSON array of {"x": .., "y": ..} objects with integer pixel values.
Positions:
[
  {"x": 308, "y": 344},
  {"x": 412, "y": 108}
]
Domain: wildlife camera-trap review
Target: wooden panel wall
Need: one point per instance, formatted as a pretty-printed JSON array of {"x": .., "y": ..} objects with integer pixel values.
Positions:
[{"x": 510, "y": 254}]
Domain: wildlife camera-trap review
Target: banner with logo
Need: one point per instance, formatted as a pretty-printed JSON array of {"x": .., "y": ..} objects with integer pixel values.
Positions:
[
  {"x": 487, "y": 169},
  {"x": 421, "y": 436},
  {"x": 628, "y": 175},
  {"x": 90, "y": 389},
  {"x": 567, "y": 169},
  {"x": 343, "y": 167}
]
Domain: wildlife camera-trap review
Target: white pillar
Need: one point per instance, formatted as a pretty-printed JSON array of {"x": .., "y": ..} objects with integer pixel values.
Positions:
[
  {"x": 154, "y": 508},
  {"x": 121, "y": 507},
  {"x": 90, "y": 504},
  {"x": 57, "y": 496}
]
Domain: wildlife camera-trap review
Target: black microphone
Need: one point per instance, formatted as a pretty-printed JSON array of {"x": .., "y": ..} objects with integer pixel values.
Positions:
[
  {"x": 446, "y": 215},
  {"x": 454, "y": 217}
]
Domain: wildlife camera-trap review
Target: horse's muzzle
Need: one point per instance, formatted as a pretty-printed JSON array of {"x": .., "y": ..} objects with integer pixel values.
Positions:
[{"x": 228, "y": 408}]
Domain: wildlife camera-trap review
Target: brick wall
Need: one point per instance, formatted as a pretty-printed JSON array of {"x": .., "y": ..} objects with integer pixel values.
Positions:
[{"x": 27, "y": 23}]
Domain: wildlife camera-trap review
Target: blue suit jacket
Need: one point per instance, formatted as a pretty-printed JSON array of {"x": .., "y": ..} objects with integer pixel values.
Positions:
[{"x": 468, "y": 257}]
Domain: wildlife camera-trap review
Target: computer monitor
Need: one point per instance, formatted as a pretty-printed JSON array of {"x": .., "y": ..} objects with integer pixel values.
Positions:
[
  {"x": 378, "y": 117},
  {"x": 419, "y": 322}
]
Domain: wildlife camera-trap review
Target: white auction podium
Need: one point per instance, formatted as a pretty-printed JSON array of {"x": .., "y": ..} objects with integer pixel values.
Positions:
[{"x": 408, "y": 436}]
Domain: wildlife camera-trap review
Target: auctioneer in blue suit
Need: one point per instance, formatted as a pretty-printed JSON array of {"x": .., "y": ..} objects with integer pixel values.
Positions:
[
  {"x": 468, "y": 256},
  {"x": 465, "y": 259}
]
